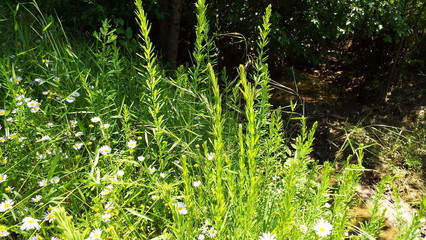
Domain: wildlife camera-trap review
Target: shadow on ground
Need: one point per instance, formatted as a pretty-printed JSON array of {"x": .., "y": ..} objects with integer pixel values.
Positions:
[{"x": 348, "y": 109}]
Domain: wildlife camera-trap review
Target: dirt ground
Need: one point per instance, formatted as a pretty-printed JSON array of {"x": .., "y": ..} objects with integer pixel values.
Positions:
[{"x": 343, "y": 105}]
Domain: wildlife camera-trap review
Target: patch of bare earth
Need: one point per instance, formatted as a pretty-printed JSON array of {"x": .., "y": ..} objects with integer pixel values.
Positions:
[{"x": 346, "y": 111}]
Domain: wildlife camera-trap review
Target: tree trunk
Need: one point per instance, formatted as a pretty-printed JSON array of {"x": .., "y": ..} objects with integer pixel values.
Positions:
[
  {"x": 163, "y": 23},
  {"x": 174, "y": 30},
  {"x": 169, "y": 24}
]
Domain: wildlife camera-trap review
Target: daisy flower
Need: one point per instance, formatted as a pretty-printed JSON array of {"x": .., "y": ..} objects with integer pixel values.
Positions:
[
  {"x": 131, "y": 144},
  {"x": 201, "y": 237},
  {"x": 77, "y": 146},
  {"x": 43, "y": 183},
  {"x": 73, "y": 123},
  {"x": 106, "y": 217},
  {"x": 107, "y": 190},
  {"x": 55, "y": 180},
  {"x": 267, "y": 236},
  {"x": 163, "y": 175},
  {"x": 105, "y": 149},
  {"x": 70, "y": 99},
  {"x": 95, "y": 119},
  {"x": 4, "y": 233},
  {"x": 2, "y": 139},
  {"x": 6, "y": 205},
  {"x": 141, "y": 158},
  {"x": 2, "y": 112},
  {"x": 109, "y": 206},
  {"x": 35, "y": 109},
  {"x": 212, "y": 232},
  {"x": 152, "y": 170},
  {"x": 197, "y": 183},
  {"x": 36, "y": 237},
  {"x": 32, "y": 104},
  {"x": 78, "y": 134},
  {"x": 8, "y": 189},
  {"x": 3, "y": 178},
  {"x": 29, "y": 223},
  {"x": 210, "y": 156},
  {"x": 181, "y": 208},
  {"x": 120, "y": 173},
  {"x": 95, "y": 234},
  {"x": 303, "y": 228},
  {"x": 36, "y": 199},
  {"x": 18, "y": 79},
  {"x": 45, "y": 138},
  {"x": 323, "y": 228},
  {"x": 48, "y": 217},
  {"x": 106, "y": 125},
  {"x": 75, "y": 94}
]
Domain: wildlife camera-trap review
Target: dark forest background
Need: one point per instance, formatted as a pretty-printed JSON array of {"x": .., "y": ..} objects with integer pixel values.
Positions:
[{"x": 379, "y": 40}]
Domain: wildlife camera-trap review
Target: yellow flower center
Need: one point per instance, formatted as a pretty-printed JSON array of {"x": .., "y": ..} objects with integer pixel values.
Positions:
[{"x": 6, "y": 205}]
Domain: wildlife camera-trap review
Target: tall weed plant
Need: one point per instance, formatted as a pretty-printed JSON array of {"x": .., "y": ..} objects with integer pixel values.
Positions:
[{"x": 97, "y": 146}]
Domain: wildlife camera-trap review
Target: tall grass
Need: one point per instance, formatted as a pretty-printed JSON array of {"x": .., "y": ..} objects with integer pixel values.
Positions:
[{"x": 97, "y": 146}]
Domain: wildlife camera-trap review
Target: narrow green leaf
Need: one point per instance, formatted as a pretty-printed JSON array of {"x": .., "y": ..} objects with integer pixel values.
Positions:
[{"x": 138, "y": 214}]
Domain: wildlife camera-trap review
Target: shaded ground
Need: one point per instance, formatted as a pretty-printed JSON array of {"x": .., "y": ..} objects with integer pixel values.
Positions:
[{"x": 346, "y": 107}]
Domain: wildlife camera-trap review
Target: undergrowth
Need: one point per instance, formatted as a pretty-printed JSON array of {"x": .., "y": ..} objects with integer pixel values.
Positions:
[{"x": 95, "y": 145}]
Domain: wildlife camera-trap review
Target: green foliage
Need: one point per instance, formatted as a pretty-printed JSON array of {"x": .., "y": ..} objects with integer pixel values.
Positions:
[
  {"x": 95, "y": 145},
  {"x": 308, "y": 29}
]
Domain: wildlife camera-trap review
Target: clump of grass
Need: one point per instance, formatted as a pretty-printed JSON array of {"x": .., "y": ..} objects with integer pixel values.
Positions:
[{"x": 85, "y": 157}]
